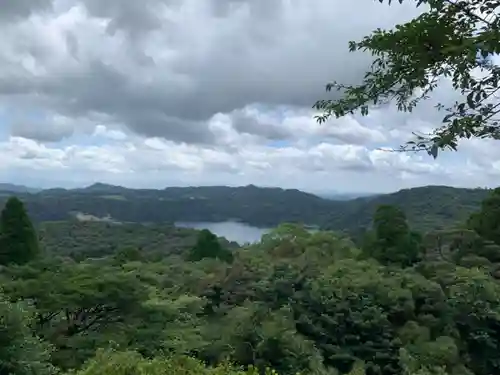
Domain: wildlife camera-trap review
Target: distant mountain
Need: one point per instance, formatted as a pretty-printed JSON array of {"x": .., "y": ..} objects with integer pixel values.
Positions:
[
  {"x": 102, "y": 188},
  {"x": 6, "y": 187},
  {"x": 430, "y": 207}
]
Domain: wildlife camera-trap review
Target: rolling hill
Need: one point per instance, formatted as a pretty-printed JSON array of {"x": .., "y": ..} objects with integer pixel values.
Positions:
[
  {"x": 427, "y": 208},
  {"x": 430, "y": 207}
]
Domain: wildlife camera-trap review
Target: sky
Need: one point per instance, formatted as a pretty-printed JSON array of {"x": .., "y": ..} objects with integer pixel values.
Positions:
[{"x": 215, "y": 92}]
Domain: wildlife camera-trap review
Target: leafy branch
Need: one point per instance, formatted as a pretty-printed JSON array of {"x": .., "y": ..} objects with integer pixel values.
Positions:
[{"x": 452, "y": 40}]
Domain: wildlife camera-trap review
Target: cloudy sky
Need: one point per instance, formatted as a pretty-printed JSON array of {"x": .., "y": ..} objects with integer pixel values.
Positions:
[{"x": 190, "y": 92}]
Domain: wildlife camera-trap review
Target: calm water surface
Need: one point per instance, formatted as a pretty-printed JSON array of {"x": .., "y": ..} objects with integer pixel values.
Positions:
[{"x": 239, "y": 232}]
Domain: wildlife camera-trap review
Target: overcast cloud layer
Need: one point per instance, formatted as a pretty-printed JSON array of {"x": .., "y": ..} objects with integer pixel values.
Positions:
[{"x": 181, "y": 92}]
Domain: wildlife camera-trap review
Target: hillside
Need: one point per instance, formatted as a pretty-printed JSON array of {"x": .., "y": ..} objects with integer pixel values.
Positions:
[
  {"x": 427, "y": 208},
  {"x": 430, "y": 207}
]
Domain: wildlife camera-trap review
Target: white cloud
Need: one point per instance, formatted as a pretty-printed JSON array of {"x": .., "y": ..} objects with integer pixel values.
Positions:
[
  {"x": 155, "y": 162},
  {"x": 113, "y": 134}
]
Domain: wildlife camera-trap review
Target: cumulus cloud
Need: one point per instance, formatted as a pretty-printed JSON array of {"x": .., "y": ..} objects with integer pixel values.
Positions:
[
  {"x": 189, "y": 92},
  {"x": 134, "y": 158},
  {"x": 156, "y": 162}
]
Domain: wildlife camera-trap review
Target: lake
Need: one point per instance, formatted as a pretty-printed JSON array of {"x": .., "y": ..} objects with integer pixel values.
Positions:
[{"x": 233, "y": 231}]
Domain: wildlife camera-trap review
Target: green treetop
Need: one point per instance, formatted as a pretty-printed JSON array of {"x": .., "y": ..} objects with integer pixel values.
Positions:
[
  {"x": 392, "y": 241},
  {"x": 208, "y": 246},
  {"x": 486, "y": 222}
]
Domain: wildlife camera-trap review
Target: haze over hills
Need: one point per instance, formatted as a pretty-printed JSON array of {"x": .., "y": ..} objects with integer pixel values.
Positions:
[
  {"x": 338, "y": 196},
  {"x": 429, "y": 207},
  {"x": 18, "y": 188}
]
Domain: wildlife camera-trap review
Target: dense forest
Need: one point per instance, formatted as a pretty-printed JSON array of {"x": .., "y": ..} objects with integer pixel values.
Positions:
[
  {"x": 99, "y": 298},
  {"x": 427, "y": 208},
  {"x": 87, "y": 239}
]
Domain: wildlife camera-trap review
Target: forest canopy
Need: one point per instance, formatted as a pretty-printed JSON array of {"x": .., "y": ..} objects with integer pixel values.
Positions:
[{"x": 403, "y": 302}]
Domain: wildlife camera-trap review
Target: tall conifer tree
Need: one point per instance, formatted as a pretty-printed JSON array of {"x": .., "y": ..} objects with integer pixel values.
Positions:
[{"x": 18, "y": 238}]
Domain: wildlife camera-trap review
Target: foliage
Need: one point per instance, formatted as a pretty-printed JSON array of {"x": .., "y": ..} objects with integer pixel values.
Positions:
[
  {"x": 73, "y": 301},
  {"x": 449, "y": 40},
  {"x": 129, "y": 362},
  {"x": 346, "y": 323},
  {"x": 300, "y": 301},
  {"x": 208, "y": 246},
  {"x": 18, "y": 239},
  {"x": 486, "y": 222},
  {"x": 86, "y": 239},
  {"x": 391, "y": 241},
  {"x": 21, "y": 353}
]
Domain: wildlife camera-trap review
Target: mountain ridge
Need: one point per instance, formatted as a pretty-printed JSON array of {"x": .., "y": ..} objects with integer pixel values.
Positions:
[
  {"x": 427, "y": 208},
  {"x": 100, "y": 186}
]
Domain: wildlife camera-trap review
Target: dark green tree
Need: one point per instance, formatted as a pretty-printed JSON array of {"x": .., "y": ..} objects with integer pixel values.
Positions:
[
  {"x": 392, "y": 241},
  {"x": 486, "y": 222},
  {"x": 128, "y": 254},
  {"x": 390, "y": 223},
  {"x": 450, "y": 39},
  {"x": 18, "y": 238},
  {"x": 208, "y": 246}
]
